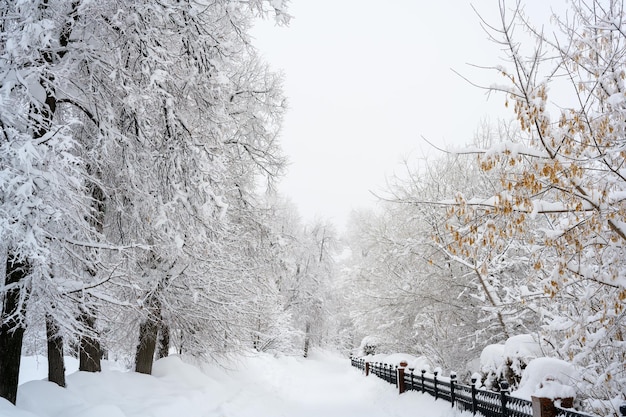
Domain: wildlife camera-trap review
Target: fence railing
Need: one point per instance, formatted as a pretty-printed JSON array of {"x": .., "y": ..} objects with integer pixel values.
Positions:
[{"x": 465, "y": 397}]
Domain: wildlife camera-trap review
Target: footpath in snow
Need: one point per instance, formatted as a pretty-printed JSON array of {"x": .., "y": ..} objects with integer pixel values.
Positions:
[{"x": 255, "y": 386}]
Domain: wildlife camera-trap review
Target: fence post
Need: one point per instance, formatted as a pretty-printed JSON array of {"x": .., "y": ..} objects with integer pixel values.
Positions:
[
  {"x": 423, "y": 372},
  {"x": 396, "y": 375},
  {"x": 412, "y": 385},
  {"x": 452, "y": 382},
  {"x": 400, "y": 377},
  {"x": 504, "y": 391},
  {"x": 435, "y": 383},
  {"x": 367, "y": 368},
  {"x": 543, "y": 407},
  {"x": 474, "y": 404}
]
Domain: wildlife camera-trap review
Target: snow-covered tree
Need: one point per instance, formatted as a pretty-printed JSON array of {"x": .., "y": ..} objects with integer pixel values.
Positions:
[
  {"x": 566, "y": 90},
  {"x": 128, "y": 129},
  {"x": 437, "y": 281},
  {"x": 46, "y": 206}
]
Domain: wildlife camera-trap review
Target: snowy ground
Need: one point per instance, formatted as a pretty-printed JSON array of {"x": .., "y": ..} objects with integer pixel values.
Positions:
[{"x": 256, "y": 386}]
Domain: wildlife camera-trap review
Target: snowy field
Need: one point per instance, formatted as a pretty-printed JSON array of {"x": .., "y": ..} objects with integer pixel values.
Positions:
[{"x": 324, "y": 385}]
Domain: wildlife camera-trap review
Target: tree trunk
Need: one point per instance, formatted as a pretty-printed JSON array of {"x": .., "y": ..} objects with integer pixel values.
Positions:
[
  {"x": 12, "y": 327},
  {"x": 307, "y": 339},
  {"x": 90, "y": 350},
  {"x": 148, "y": 331},
  {"x": 56, "y": 366},
  {"x": 164, "y": 341}
]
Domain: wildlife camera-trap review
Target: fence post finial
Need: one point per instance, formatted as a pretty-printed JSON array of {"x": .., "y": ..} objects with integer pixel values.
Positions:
[
  {"x": 474, "y": 403},
  {"x": 504, "y": 391}
]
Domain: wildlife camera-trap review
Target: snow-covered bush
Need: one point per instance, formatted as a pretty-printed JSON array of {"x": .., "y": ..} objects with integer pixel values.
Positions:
[
  {"x": 507, "y": 361},
  {"x": 547, "y": 377},
  {"x": 369, "y": 346}
]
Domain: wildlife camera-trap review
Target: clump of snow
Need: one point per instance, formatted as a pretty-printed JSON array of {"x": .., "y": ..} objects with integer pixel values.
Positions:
[
  {"x": 492, "y": 358},
  {"x": 552, "y": 389},
  {"x": 547, "y": 377},
  {"x": 396, "y": 358},
  {"x": 507, "y": 361},
  {"x": 416, "y": 362},
  {"x": 523, "y": 346},
  {"x": 9, "y": 410},
  {"x": 58, "y": 400},
  {"x": 520, "y": 350},
  {"x": 381, "y": 357},
  {"x": 369, "y": 346},
  {"x": 173, "y": 368}
]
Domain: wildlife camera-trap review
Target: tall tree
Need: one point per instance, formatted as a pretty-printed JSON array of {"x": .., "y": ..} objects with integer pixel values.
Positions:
[
  {"x": 44, "y": 204},
  {"x": 567, "y": 169}
]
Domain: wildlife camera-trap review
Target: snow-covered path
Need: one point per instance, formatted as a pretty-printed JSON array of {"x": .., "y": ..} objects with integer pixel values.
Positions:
[{"x": 324, "y": 385}]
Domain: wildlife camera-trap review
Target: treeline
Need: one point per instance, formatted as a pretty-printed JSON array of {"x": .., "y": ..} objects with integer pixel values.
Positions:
[{"x": 133, "y": 139}]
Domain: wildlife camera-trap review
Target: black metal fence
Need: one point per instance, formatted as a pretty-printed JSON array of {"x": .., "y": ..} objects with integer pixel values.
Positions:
[{"x": 464, "y": 397}]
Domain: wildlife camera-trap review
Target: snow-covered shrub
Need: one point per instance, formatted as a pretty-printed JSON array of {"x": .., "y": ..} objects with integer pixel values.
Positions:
[
  {"x": 547, "y": 377},
  {"x": 507, "y": 361},
  {"x": 368, "y": 346},
  {"x": 491, "y": 364}
]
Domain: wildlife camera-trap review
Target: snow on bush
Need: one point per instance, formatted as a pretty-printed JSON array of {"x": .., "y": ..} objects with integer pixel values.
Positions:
[
  {"x": 491, "y": 364},
  {"x": 519, "y": 351},
  {"x": 547, "y": 377},
  {"x": 492, "y": 358},
  {"x": 507, "y": 361},
  {"x": 417, "y": 363},
  {"x": 368, "y": 346},
  {"x": 373, "y": 345}
]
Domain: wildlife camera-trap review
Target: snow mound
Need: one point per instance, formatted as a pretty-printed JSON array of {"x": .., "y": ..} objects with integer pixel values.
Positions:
[
  {"x": 8, "y": 409},
  {"x": 520, "y": 350},
  {"x": 416, "y": 362},
  {"x": 492, "y": 358},
  {"x": 523, "y": 346},
  {"x": 174, "y": 368},
  {"x": 48, "y": 399},
  {"x": 547, "y": 377}
]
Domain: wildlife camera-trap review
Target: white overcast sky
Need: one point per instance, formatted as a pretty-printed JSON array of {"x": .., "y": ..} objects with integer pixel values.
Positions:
[{"x": 365, "y": 80}]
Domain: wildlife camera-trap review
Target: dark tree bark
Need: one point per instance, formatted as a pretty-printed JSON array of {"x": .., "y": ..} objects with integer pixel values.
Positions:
[
  {"x": 12, "y": 327},
  {"x": 148, "y": 331},
  {"x": 17, "y": 268},
  {"x": 164, "y": 341},
  {"x": 307, "y": 339},
  {"x": 56, "y": 365},
  {"x": 90, "y": 350}
]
